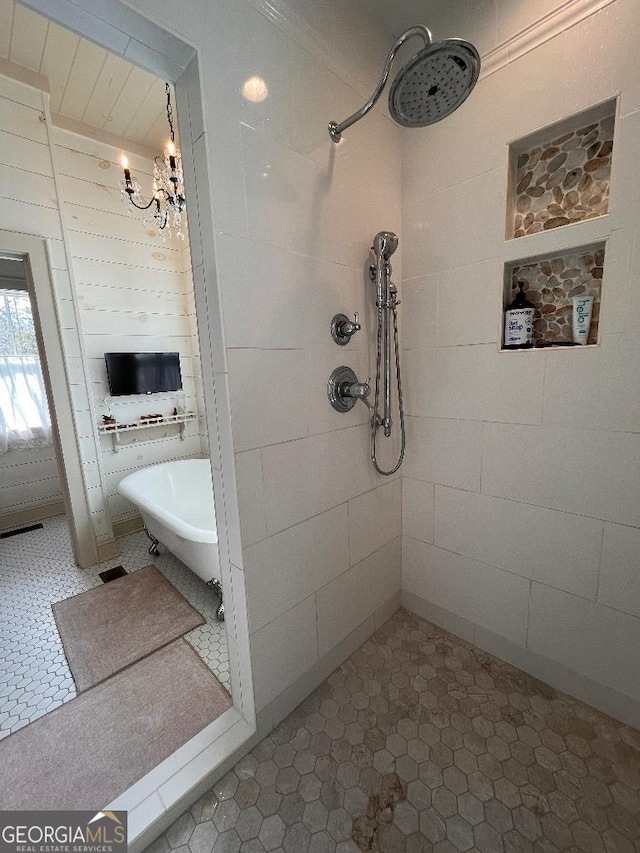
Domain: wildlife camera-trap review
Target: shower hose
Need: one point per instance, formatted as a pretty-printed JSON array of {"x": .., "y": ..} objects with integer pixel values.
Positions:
[{"x": 376, "y": 420}]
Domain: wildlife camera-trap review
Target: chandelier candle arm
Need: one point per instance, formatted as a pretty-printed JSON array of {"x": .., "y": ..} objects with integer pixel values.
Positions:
[
  {"x": 168, "y": 184},
  {"x": 127, "y": 172}
]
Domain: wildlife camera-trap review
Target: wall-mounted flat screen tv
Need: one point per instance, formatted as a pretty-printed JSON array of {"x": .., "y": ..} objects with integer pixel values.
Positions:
[{"x": 143, "y": 372}]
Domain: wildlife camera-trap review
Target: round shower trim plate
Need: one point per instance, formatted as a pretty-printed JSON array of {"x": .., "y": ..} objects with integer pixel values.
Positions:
[{"x": 340, "y": 377}]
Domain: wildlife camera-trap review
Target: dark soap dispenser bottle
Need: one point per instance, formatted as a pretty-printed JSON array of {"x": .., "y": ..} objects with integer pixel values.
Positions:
[{"x": 518, "y": 321}]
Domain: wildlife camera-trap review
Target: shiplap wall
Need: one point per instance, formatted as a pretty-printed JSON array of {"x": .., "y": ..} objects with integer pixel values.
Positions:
[
  {"x": 30, "y": 486},
  {"x": 135, "y": 293}
]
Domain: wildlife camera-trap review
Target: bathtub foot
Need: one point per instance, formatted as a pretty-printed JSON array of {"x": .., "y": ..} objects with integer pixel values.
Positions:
[
  {"x": 153, "y": 548},
  {"x": 216, "y": 586}
]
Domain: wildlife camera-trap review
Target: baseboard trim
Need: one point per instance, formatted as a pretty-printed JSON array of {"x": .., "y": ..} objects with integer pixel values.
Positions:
[
  {"x": 127, "y": 526},
  {"x": 31, "y": 515},
  {"x": 605, "y": 699},
  {"x": 107, "y": 550},
  {"x": 280, "y": 707}
]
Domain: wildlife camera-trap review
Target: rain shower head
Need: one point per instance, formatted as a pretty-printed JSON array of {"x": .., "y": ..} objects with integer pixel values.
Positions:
[
  {"x": 434, "y": 83},
  {"x": 429, "y": 87}
]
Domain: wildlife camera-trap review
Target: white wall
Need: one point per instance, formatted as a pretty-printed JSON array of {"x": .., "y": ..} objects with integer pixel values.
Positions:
[
  {"x": 294, "y": 218},
  {"x": 135, "y": 293},
  {"x": 522, "y": 482},
  {"x": 30, "y": 483}
]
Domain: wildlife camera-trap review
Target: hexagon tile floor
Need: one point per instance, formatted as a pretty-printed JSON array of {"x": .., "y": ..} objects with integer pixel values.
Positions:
[
  {"x": 37, "y": 570},
  {"x": 422, "y": 742}
]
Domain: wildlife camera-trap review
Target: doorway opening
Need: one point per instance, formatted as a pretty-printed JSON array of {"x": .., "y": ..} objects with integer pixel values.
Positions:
[
  {"x": 32, "y": 490},
  {"x": 95, "y": 301}
]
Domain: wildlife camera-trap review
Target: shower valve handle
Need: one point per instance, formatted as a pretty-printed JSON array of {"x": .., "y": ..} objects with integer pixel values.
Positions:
[
  {"x": 342, "y": 328},
  {"x": 356, "y": 390},
  {"x": 344, "y": 390}
]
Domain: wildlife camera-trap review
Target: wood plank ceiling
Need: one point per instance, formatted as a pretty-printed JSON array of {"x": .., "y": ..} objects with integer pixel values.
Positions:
[{"x": 88, "y": 83}]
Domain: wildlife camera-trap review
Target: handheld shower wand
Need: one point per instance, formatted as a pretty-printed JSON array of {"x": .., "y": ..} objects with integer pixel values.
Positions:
[{"x": 385, "y": 244}]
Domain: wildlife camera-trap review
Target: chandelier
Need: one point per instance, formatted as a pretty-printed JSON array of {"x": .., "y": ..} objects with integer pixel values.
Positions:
[{"x": 167, "y": 203}]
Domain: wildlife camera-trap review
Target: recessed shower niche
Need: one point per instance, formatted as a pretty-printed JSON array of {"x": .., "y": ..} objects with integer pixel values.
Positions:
[
  {"x": 550, "y": 283},
  {"x": 561, "y": 174}
]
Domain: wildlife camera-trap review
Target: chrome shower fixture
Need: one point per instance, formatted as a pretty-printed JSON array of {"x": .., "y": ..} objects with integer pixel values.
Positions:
[
  {"x": 385, "y": 244},
  {"x": 429, "y": 86},
  {"x": 343, "y": 329},
  {"x": 343, "y": 388}
]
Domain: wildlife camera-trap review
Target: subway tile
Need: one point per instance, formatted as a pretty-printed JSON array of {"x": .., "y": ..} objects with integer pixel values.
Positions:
[
  {"x": 271, "y": 56},
  {"x": 356, "y": 594},
  {"x": 286, "y": 568},
  {"x": 625, "y": 170},
  {"x": 474, "y": 383},
  {"x": 417, "y": 509},
  {"x": 279, "y": 185},
  {"x": 261, "y": 414},
  {"x": 587, "y": 637},
  {"x": 321, "y": 416},
  {"x": 553, "y": 547},
  {"x": 582, "y": 471},
  {"x": 433, "y": 236},
  {"x": 348, "y": 217},
  {"x": 315, "y": 83},
  {"x": 447, "y": 153},
  {"x": 418, "y": 314},
  {"x": 588, "y": 47},
  {"x": 224, "y": 147},
  {"x": 253, "y": 523},
  {"x": 620, "y": 569},
  {"x": 470, "y": 304},
  {"x": 212, "y": 337},
  {"x": 484, "y": 595},
  {"x": 277, "y": 662},
  {"x": 371, "y": 147},
  {"x": 619, "y": 301},
  {"x": 374, "y": 520},
  {"x": 305, "y": 477},
  {"x": 444, "y": 451},
  {"x": 296, "y": 313},
  {"x": 598, "y": 388}
]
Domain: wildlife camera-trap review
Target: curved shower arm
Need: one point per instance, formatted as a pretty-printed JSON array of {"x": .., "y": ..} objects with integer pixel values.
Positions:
[{"x": 335, "y": 130}]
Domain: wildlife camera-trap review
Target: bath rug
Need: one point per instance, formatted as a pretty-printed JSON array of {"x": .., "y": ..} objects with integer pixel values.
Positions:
[
  {"x": 107, "y": 628},
  {"x": 88, "y": 751}
]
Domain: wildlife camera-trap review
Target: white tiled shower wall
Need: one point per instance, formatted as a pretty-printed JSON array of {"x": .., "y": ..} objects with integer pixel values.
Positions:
[
  {"x": 522, "y": 482},
  {"x": 294, "y": 219}
]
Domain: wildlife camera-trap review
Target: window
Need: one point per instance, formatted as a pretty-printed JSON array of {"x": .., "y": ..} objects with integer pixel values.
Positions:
[{"x": 24, "y": 412}]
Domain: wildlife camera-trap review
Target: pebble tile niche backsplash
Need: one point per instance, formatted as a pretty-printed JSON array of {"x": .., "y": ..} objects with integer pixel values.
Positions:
[
  {"x": 551, "y": 284},
  {"x": 564, "y": 180}
]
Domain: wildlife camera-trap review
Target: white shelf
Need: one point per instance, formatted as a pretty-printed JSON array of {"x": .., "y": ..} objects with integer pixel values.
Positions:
[{"x": 114, "y": 430}]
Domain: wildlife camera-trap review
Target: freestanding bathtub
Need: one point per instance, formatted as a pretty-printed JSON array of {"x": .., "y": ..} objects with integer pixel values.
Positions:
[{"x": 175, "y": 500}]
